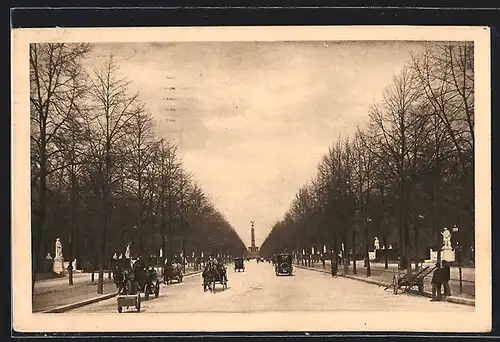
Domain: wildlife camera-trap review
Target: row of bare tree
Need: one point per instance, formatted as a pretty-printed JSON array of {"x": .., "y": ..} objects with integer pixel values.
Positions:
[
  {"x": 101, "y": 178},
  {"x": 404, "y": 177}
]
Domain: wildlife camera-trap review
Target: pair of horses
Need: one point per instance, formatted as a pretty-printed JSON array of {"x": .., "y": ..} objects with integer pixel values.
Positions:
[
  {"x": 213, "y": 274},
  {"x": 135, "y": 278}
]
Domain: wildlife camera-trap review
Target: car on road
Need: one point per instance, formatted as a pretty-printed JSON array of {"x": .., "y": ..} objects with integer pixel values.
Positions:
[
  {"x": 239, "y": 264},
  {"x": 283, "y": 264}
]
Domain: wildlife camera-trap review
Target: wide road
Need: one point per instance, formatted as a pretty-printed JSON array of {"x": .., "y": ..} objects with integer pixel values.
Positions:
[{"x": 259, "y": 289}]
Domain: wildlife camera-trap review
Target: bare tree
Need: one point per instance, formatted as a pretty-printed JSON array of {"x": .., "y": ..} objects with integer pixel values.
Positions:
[
  {"x": 140, "y": 149},
  {"x": 109, "y": 122},
  {"x": 56, "y": 88}
]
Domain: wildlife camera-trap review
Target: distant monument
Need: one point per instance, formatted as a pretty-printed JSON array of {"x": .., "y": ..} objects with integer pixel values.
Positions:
[
  {"x": 377, "y": 243},
  {"x": 58, "y": 259},
  {"x": 253, "y": 250}
]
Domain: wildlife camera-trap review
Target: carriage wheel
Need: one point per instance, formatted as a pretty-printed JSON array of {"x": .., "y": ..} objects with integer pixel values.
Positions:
[
  {"x": 180, "y": 279},
  {"x": 394, "y": 285},
  {"x": 146, "y": 292},
  {"x": 119, "y": 308}
]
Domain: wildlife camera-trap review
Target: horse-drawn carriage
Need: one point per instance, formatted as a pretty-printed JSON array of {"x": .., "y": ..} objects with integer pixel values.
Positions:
[
  {"x": 239, "y": 264},
  {"x": 133, "y": 278},
  {"x": 213, "y": 274},
  {"x": 283, "y": 264},
  {"x": 173, "y": 271}
]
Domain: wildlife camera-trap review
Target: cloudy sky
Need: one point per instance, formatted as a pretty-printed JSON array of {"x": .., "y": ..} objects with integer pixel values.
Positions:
[{"x": 253, "y": 119}]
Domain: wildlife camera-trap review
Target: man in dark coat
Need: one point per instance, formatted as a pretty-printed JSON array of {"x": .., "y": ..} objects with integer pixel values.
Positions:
[
  {"x": 437, "y": 282},
  {"x": 446, "y": 279}
]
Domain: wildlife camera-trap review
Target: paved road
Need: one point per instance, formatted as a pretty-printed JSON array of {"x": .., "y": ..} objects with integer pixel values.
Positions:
[{"x": 259, "y": 289}]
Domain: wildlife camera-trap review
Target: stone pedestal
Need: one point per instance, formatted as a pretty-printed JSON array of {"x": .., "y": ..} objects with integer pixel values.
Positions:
[
  {"x": 433, "y": 255},
  {"x": 58, "y": 265},
  {"x": 371, "y": 255},
  {"x": 448, "y": 254}
]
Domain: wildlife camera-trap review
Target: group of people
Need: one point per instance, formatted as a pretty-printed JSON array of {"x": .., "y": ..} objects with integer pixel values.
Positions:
[{"x": 440, "y": 280}]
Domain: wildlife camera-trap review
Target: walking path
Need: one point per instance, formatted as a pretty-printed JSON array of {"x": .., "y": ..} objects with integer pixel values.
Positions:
[{"x": 380, "y": 274}]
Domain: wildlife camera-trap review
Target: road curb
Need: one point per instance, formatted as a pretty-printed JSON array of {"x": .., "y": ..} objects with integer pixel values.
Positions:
[
  {"x": 72, "y": 306},
  {"x": 76, "y": 305},
  {"x": 455, "y": 300}
]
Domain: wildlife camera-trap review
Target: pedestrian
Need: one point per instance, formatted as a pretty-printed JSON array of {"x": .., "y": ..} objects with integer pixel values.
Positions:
[
  {"x": 334, "y": 268},
  {"x": 446, "y": 279},
  {"x": 437, "y": 282}
]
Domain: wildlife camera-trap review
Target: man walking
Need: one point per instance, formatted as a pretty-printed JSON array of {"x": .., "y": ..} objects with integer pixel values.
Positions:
[{"x": 437, "y": 282}]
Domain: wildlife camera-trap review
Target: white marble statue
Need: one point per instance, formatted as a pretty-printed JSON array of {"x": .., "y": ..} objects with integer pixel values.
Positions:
[
  {"x": 446, "y": 238},
  {"x": 161, "y": 252},
  {"x": 115, "y": 256},
  {"x": 342, "y": 246},
  {"x": 59, "y": 249},
  {"x": 377, "y": 243},
  {"x": 127, "y": 252},
  {"x": 390, "y": 247},
  {"x": 121, "y": 256},
  {"x": 48, "y": 257}
]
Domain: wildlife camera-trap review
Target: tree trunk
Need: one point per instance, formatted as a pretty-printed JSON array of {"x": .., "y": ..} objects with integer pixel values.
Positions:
[
  {"x": 367, "y": 254},
  {"x": 41, "y": 214},
  {"x": 354, "y": 269},
  {"x": 386, "y": 259}
]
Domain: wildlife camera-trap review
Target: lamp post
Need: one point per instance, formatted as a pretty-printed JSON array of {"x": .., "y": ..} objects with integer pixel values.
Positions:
[{"x": 458, "y": 248}]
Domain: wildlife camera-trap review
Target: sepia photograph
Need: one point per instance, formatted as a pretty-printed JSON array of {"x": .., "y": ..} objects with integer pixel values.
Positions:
[{"x": 251, "y": 179}]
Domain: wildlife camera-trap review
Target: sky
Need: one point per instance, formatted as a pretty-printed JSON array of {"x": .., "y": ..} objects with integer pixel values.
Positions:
[{"x": 253, "y": 119}]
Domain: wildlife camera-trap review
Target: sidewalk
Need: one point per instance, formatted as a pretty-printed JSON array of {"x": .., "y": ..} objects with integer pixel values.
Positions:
[
  {"x": 52, "y": 293},
  {"x": 380, "y": 274}
]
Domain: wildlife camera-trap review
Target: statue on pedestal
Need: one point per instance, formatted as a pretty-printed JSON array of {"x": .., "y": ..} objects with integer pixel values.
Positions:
[
  {"x": 446, "y": 238},
  {"x": 127, "y": 252},
  {"x": 377, "y": 243},
  {"x": 58, "y": 266},
  {"x": 59, "y": 249}
]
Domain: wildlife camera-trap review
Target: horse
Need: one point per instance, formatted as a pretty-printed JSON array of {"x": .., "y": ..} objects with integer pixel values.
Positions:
[
  {"x": 119, "y": 277},
  {"x": 212, "y": 274}
]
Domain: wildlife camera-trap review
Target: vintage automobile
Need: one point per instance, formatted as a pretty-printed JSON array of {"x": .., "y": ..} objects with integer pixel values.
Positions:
[
  {"x": 283, "y": 264},
  {"x": 239, "y": 265},
  {"x": 173, "y": 271}
]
